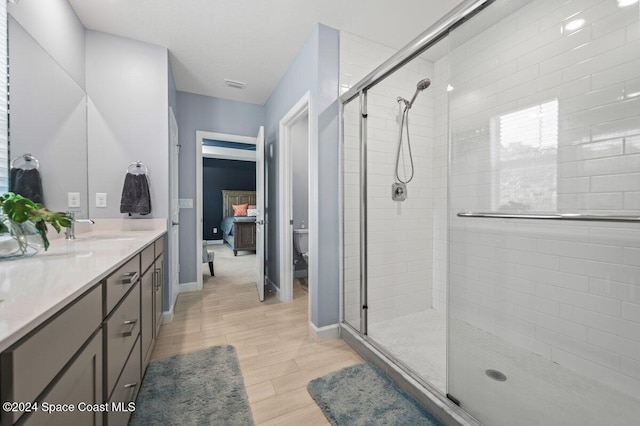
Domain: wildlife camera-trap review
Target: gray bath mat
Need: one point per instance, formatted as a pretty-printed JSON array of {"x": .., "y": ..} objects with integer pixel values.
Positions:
[
  {"x": 200, "y": 388},
  {"x": 364, "y": 395}
]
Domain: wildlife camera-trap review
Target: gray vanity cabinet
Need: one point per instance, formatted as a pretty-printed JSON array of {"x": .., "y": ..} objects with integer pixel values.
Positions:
[
  {"x": 46, "y": 362},
  {"x": 92, "y": 351},
  {"x": 81, "y": 383}
]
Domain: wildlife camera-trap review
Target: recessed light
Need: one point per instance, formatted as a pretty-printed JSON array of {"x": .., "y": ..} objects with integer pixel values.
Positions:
[
  {"x": 574, "y": 25},
  {"x": 235, "y": 84},
  {"x": 625, "y": 3},
  {"x": 449, "y": 88}
]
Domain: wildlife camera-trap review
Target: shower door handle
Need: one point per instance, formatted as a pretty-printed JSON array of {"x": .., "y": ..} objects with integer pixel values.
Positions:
[{"x": 560, "y": 216}]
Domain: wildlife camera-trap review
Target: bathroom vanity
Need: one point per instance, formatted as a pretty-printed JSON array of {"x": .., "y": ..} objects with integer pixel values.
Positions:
[{"x": 77, "y": 327}]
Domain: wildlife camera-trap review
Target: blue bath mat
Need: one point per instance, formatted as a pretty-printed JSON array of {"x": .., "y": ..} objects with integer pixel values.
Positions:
[
  {"x": 200, "y": 388},
  {"x": 363, "y": 395}
]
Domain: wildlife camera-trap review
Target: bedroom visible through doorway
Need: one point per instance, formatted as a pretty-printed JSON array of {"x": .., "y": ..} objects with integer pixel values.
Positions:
[{"x": 227, "y": 206}]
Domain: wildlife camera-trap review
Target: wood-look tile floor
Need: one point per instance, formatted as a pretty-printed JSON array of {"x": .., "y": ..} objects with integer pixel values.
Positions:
[{"x": 277, "y": 356}]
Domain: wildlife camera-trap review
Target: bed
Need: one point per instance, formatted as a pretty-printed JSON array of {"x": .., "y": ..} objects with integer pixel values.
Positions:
[{"x": 238, "y": 231}]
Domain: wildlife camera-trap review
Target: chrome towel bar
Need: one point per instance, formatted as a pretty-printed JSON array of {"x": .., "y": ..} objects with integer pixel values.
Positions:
[{"x": 563, "y": 216}]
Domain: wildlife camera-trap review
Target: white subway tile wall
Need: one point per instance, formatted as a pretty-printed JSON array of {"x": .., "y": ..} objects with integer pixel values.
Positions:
[
  {"x": 399, "y": 233},
  {"x": 567, "y": 291}
]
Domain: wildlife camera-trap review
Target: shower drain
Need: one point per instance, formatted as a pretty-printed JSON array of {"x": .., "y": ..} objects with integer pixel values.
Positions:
[{"x": 496, "y": 375}]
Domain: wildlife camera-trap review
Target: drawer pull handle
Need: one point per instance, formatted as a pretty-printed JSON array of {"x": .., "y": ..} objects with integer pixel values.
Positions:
[
  {"x": 129, "y": 278},
  {"x": 131, "y": 386},
  {"x": 157, "y": 278},
  {"x": 129, "y": 332}
]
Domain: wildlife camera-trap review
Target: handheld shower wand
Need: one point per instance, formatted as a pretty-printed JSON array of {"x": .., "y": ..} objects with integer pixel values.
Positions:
[
  {"x": 422, "y": 84},
  {"x": 399, "y": 189}
]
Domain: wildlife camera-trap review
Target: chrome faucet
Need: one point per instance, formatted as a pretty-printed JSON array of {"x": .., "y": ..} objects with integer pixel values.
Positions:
[{"x": 70, "y": 232}]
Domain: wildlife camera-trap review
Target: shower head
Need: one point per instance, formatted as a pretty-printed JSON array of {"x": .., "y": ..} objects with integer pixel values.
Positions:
[{"x": 422, "y": 84}]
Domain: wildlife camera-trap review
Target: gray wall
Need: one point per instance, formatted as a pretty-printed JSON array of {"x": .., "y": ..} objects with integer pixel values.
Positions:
[
  {"x": 196, "y": 112},
  {"x": 56, "y": 27},
  {"x": 326, "y": 294},
  {"x": 315, "y": 69},
  {"x": 127, "y": 86}
]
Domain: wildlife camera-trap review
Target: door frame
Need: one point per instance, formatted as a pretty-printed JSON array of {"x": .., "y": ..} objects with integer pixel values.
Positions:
[
  {"x": 285, "y": 202},
  {"x": 214, "y": 152},
  {"x": 173, "y": 285}
]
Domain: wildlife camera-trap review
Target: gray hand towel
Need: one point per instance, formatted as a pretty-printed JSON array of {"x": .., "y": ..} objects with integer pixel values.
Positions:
[
  {"x": 135, "y": 195},
  {"x": 27, "y": 183}
]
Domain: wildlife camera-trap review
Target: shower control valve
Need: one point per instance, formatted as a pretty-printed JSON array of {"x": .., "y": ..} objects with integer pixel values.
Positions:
[{"x": 399, "y": 191}]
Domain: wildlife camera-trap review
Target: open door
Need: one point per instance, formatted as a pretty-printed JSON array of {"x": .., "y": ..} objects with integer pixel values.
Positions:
[
  {"x": 260, "y": 215},
  {"x": 174, "y": 232}
]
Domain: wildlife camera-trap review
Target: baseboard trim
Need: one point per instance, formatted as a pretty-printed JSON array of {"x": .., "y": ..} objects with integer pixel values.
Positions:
[
  {"x": 215, "y": 242},
  {"x": 327, "y": 332},
  {"x": 189, "y": 287},
  {"x": 271, "y": 286},
  {"x": 167, "y": 317}
]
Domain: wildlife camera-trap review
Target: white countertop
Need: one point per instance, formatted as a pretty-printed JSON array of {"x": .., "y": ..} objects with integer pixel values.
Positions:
[{"x": 35, "y": 288}]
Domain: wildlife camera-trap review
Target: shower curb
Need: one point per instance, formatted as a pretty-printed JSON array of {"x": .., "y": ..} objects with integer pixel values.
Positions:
[{"x": 445, "y": 410}]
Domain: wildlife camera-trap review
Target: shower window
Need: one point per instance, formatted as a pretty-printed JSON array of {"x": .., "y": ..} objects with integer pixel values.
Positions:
[{"x": 525, "y": 157}]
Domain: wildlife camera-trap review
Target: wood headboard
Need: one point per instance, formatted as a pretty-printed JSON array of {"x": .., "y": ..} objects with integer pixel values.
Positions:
[{"x": 236, "y": 197}]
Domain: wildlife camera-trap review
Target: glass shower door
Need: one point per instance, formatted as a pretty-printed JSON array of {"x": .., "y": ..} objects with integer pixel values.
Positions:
[{"x": 544, "y": 309}]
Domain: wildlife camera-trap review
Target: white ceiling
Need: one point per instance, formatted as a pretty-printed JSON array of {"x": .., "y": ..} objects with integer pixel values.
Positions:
[{"x": 252, "y": 41}]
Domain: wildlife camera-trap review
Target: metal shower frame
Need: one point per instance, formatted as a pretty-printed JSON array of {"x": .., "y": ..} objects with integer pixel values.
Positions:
[{"x": 424, "y": 41}]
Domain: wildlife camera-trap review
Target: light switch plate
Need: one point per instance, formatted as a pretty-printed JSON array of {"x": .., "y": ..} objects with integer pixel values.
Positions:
[
  {"x": 185, "y": 203},
  {"x": 101, "y": 199},
  {"x": 73, "y": 199}
]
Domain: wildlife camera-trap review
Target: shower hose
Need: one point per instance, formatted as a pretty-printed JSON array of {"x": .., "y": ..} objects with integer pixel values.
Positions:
[{"x": 403, "y": 124}]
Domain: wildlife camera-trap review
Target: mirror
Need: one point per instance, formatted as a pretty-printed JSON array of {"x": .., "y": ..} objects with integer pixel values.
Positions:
[{"x": 47, "y": 105}]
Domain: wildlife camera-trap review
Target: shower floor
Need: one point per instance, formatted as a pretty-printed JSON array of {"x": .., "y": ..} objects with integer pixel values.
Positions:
[
  {"x": 418, "y": 340},
  {"x": 537, "y": 391}
]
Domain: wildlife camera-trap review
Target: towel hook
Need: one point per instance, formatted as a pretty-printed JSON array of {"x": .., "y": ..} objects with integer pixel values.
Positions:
[
  {"x": 28, "y": 158},
  {"x": 138, "y": 167}
]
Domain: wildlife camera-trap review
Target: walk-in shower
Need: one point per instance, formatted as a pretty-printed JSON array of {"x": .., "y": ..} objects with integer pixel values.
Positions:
[{"x": 508, "y": 283}]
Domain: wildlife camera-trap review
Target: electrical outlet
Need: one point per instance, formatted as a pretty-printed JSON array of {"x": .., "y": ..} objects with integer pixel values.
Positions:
[
  {"x": 73, "y": 199},
  {"x": 185, "y": 203},
  {"x": 215, "y": 230},
  {"x": 101, "y": 199}
]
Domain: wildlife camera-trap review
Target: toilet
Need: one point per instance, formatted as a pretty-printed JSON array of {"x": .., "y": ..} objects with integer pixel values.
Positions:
[{"x": 301, "y": 242}]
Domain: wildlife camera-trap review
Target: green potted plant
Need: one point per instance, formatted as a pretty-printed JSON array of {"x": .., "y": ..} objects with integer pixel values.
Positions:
[{"x": 23, "y": 226}]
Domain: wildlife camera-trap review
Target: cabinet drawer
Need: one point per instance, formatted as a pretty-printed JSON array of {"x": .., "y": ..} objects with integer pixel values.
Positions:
[
  {"x": 80, "y": 383},
  {"x": 159, "y": 246},
  {"x": 34, "y": 363},
  {"x": 126, "y": 390},
  {"x": 147, "y": 257},
  {"x": 121, "y": 330},
  {"x": 121, "y": 281}
]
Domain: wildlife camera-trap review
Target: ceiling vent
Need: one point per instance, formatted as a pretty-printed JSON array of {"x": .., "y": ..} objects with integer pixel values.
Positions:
[{"x": 235, "y": 84}]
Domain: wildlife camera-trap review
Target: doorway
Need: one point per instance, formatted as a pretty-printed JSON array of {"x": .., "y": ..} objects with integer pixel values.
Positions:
[
  {"x": 227, "y": 147},
  {"x": 294, "y": 199}
]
